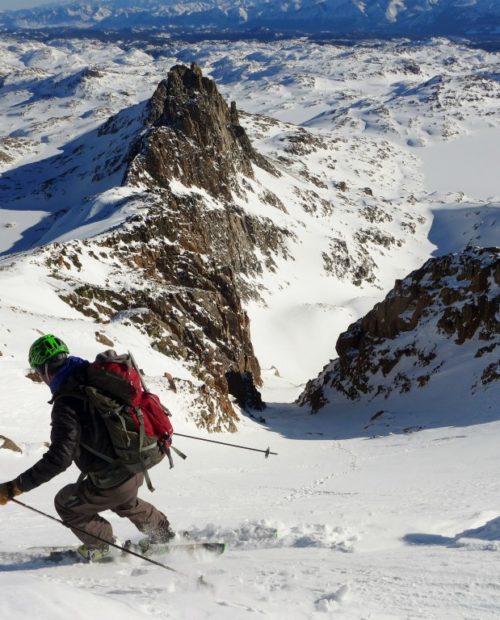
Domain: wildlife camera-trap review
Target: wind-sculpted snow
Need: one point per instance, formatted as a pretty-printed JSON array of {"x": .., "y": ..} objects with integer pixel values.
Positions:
[
  {"x": 52, "y": 601},
  {"x": 483, "y": 538}
]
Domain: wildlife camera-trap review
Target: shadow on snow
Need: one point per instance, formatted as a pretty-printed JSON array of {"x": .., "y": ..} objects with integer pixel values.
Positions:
[
  {"x": 16, "y": 562},
  {"x": 345, "y": 419},
  {"x": 489, "y": 532},
  {"x": 455, "y": 227},
  {"x": 67, "y": 186}
]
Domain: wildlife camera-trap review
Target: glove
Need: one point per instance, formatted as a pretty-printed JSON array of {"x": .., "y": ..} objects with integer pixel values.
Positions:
[
  {"x": 8, "y": 490},
  {"x": 164, "y": 442}
]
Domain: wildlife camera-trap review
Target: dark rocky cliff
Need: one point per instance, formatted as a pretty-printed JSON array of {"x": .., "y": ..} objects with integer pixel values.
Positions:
[
  {"x": 194, "y": 138},
  {"x": 404, "y": 341},
  {"x": 185, "y": 265}
]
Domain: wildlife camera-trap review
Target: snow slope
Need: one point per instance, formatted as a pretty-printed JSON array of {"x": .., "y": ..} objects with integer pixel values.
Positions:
[
  {"x": 370, "y": 526},
  {"x": 375, "y": 519}
]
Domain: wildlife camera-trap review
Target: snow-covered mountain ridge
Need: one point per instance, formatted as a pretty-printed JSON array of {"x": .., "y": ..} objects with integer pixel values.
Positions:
[
  {"x": 200, "y": 200},
  {"x": 339, "y": 207},
  {"x": 367, "y": 18}
]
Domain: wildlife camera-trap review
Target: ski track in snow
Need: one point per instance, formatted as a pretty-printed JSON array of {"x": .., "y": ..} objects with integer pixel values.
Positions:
[{"x": 374, "y": 520}]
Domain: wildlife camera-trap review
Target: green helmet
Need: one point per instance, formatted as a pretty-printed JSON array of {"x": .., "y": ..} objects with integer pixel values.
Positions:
[{"x": 46, "y": 348}]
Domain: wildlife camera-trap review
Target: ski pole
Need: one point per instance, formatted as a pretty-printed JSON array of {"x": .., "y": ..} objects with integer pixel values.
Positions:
[
  {"x": 233, "y": 445},
  {"x": 139, "y": 372},
  {"x": 107, "y": 542},
  {"x": 223, "y": 443}
]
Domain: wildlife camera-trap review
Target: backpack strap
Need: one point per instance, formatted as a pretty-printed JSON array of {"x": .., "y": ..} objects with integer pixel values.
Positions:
[
  {"x": 119, "y": 461},
  {"x": 83, "y": 396},
  {"x": 102, "y": 456},
  {"x": 142, "y": 433}
]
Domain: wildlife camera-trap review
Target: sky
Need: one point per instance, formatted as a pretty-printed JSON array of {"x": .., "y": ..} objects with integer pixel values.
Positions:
[{"x": 12, "y": 5}]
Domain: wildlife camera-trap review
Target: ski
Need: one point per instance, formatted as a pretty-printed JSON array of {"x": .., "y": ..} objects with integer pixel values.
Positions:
[
  {"x": 53, "y": 555},
  {"x": 59, "y": 554}
]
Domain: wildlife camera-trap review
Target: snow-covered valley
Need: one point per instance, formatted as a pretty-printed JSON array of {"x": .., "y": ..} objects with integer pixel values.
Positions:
[{"x": 386, "y": 156}]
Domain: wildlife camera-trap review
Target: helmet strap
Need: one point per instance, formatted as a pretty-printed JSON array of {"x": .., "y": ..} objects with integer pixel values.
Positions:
[
  {"x": 43, "y": 373},
  {"x": 47, "y": 376}
]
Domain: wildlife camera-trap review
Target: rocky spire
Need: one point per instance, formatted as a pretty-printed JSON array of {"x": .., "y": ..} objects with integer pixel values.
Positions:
[
  {"x": 187, "y": 267},
  {"x": 194, "y": 137}
]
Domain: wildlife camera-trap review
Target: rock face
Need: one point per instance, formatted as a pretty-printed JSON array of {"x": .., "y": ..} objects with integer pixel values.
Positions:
[
  {"x": 194, "y": 138},
  {"x": 177, "y": 288},
  {"x": 451, "y": 302},
  {"x": 185, "y": 267}
]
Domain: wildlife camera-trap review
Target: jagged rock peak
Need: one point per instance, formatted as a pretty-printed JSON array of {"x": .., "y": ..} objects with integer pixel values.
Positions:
[
  {"x": 415, "y": 333},
  {"x": 185, "y": 90},
  {"x": 194, "y": 137}
]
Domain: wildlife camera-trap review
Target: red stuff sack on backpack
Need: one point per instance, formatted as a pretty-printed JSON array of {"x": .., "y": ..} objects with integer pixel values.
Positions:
[
  {"x": 138, "y": 424},
  {"x": 120, "y": 369}
]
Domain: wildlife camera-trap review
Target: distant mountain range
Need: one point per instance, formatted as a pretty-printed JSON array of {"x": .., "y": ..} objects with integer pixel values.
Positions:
[{"x": 470, "y": 18}]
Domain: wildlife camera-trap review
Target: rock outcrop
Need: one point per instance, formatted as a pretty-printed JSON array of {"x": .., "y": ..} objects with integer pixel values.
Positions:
[
  {"x": 178, "y": 287},
  {"x": 411, "y": 336}
]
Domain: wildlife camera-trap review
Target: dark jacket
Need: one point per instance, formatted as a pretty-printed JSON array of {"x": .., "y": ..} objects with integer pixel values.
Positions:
[{"x": 72, "y": 423}]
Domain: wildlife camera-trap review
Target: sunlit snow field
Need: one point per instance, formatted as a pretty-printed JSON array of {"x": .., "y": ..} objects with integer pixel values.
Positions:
[{"x": 470, "y": 164}]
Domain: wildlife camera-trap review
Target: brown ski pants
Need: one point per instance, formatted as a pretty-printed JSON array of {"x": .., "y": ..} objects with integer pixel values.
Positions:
[{"x": 79, "y": 505}]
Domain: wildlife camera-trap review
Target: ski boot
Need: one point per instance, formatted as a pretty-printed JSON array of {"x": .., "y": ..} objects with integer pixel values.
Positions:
[
  {"x": 93, "y": 554},
  {"x": 161, "y": 536}
]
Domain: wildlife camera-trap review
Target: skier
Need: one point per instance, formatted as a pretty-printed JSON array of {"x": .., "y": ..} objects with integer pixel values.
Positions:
[{"x": 101, "y": 485}]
